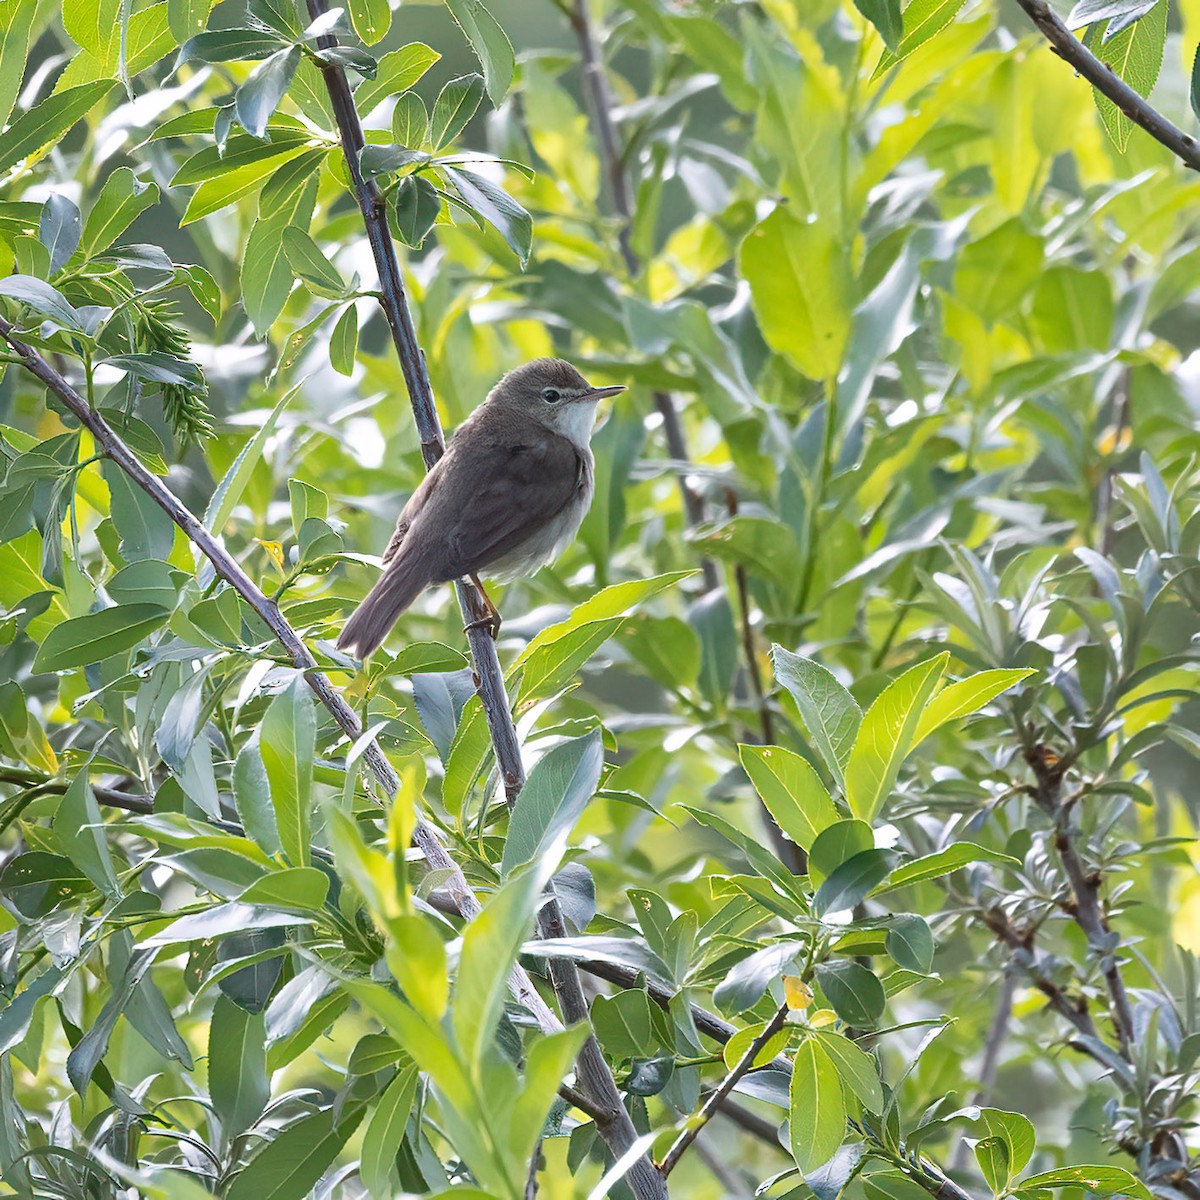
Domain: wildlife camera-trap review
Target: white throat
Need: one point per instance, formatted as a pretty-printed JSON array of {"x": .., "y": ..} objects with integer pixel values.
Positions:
[{"x": 575, "y": 421}]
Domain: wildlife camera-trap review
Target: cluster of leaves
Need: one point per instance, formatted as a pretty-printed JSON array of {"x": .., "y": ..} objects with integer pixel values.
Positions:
[{"x": 925, "y": 316}]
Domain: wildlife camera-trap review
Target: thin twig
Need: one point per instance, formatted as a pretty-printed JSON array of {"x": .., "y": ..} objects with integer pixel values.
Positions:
[
  {"x": 1087, "y": 911},
  {"x": 713, "y": 1103},
  {"x": 1106, "y": 81},
  {"x": 111, "y": 797},
  {"x": 615, "y": 1125},
  {"x": 612, "y": 159}
]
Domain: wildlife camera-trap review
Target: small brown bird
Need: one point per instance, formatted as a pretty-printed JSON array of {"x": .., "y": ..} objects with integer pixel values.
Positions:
[{"x": 509, "y": 493}]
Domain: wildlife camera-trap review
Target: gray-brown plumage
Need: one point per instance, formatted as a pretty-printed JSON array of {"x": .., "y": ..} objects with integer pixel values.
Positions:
[{"x": 506, "y": 497}]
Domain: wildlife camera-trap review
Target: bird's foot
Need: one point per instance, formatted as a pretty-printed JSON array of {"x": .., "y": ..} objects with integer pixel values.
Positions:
[{"x": 491, "y": 623}]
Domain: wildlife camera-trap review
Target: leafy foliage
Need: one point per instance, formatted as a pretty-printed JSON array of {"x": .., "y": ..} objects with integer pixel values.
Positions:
[{"x": 861, "y": 743}]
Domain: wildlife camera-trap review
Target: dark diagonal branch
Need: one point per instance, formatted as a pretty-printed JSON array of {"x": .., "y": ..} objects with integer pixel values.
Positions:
[
  {"x": 717, "y": 1098},
  {"x": 596, "y": 1081},
  {"x": 612, "y": 161},
  {"x": 425, "y": 836},
  {"x": 1106, "y": 81}
]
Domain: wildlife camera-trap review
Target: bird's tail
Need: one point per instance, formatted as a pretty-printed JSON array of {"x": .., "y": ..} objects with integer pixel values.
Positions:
[{"x": 395, "y": 590}]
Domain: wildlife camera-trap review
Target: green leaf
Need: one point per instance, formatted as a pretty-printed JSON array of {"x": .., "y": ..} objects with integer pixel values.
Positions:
[
  {"x": 854, "y": 992},
  {"x": 817, "y": 1121},
  {"x": 910, "y": 943},
  {"x": 923, "y": 19},
  {"x": 836, "y": 844},
  {"x": 885, "y": 16},
  {"x": 42, "y": 298},
  {"x": 146, "y": 531},
  {"x": 991, "y": 1153},
  {"x": 396, "y": 73},
  {"x": 1134, "y": 55},
  {"x": 1104, "y": 1181},
  {"x": 831, "y": 715},
  {"x": 79, "y": 832},
  {"x": 226, "y": 187},
  {"x": 489, "y": 949},
  {"x": 418, "y": 961},
  {"x": 237, "y": 1066},
  {"x": 747, "y": 981},
  {"x": 1193, "y": 89},
  {"x": 47, "y": 121},
  {"x": 417, "y": 208},
  {"x": 229, "y": 45},
  {"x": 122, "y": 199},
  {"x": 260, "y": 95},
  {"x": 371, "y": 19},
  {"x": 966, "y": 696},
  {"x": 288, "y": 746},
  {"x": 310, "y": 264},
  {"x": 59, "y": 229},
  {"x": 229, "y": 491},
  {"x": 146, "y": 582},
  {"x": 90, "y": 24},
  {"x": 995, "y": 272},
  {"x": 495, "y": 206},
  {"x": 1017, "y": 1133},
  {"x": 82, "y": 641},
  {"x": 252, "y": 795},
  {"x": 886, "y": 736},
  {"x": 186, "y": 18},
  {"x": 558, "y": 790},
  {"x": 302, "y": 888},
  {"x": 931, "y": 866},
  {"x": 291, "y": 1164},
  {"x": 801, "y": 287},
  {"x": 221, "y": 921},
  {"x": 16, "y": 30},
  {"x": 791, "y": 790},
  {"x": 343, "y": 342},
  {"x": 852, "y": 881},
  {"x": 410, "y": 121},
  {"x": 556, "y": 653},
  {"x": 857, "y": 1069},
  {"x": 385, "y": 1132},
  {"x": 454, "y": 107},
  {"x": 36, "y": 883},
  {"x": 287, "y": 197},
  {"x": 490, "y": 43}
]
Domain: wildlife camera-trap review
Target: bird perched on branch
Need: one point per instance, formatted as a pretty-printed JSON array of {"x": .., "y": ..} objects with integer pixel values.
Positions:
[{"x": 509, "y": 493}]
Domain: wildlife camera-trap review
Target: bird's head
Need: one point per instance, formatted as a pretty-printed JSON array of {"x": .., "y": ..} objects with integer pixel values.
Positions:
[{"x": 554, "y": 394}]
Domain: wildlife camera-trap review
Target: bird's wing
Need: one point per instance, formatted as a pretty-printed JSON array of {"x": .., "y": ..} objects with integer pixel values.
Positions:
[
  {"x": 515, "y": 485},
  {"x": 408, "y": 514}
]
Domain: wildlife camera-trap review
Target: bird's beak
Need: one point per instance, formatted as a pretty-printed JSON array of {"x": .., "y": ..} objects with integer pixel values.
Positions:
[{"x": 601, "y": 393}]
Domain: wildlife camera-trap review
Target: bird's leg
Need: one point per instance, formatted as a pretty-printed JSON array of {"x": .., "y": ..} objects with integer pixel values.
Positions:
[{"x": 492, "y": 620}]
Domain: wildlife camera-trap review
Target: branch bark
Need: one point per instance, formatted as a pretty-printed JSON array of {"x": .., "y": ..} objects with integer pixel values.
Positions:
[
  {"x": 717, "y": 1098},
  {"x": 615, "y": 1125},
  {"x": 1102, "y": 77}
]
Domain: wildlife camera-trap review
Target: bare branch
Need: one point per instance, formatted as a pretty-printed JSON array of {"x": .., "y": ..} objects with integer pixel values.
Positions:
[{"x": 1106, "y": 81}]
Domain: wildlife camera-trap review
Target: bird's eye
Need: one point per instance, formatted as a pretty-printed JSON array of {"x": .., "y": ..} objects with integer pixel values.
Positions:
[{"x": 550, "y": 395}]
